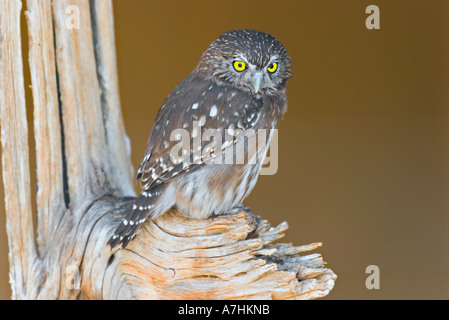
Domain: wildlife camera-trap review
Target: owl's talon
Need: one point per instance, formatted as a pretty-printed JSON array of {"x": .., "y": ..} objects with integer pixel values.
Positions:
[
  {"x": 239, "y": 208},
  {"x": 236, "y": 210},
  {"x": 249, "y": 212}
]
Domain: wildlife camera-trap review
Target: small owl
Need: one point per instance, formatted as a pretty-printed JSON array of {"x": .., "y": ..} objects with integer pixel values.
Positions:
[{"x": 237, "y": 90}]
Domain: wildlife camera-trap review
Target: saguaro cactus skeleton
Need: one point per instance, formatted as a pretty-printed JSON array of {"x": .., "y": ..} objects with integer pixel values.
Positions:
[{"x": 85, "y": 184}]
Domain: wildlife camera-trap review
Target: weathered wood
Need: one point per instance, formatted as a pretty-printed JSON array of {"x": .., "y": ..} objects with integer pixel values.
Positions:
[
  {"x": 47, "y": 128},
  {"x": 227, "y": 257},
  {"x": 118, "y": 142},
  {"x": 15, "y": 154},
  {"x": 85, "y": 185},
  {"x": 85, "y": 142}
]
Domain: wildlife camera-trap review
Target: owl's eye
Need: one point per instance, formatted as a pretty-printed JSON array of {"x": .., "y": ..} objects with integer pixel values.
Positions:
[
  {"x": 239, "y": 66},
  {"x": 272, "y": 67}
]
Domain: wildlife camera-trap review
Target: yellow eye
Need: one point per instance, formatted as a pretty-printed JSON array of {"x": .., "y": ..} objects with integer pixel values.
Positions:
[
  {"x": 239, "y": 66},
  {"x": 272, "y": 67}
]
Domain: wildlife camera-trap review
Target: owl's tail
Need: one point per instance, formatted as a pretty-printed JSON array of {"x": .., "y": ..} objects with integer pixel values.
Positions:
[{"x": 142, "y": 208}]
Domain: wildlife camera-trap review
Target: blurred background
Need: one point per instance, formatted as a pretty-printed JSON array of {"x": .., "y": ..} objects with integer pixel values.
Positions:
[{"x": 364, "y": 147}]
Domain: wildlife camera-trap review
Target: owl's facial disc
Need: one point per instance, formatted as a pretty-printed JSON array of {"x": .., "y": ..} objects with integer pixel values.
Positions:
[
  {"x": 259, "y": 78},
  {"x": 246, "y": 74}
]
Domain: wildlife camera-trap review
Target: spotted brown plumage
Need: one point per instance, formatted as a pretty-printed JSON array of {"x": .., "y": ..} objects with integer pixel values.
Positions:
[{"x": 237, "y": 90}]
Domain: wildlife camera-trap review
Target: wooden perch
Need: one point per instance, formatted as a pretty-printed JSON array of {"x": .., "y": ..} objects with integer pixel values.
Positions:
[
  {"x": 85, "y": 185},
  {"x": 227, "y": 257}
]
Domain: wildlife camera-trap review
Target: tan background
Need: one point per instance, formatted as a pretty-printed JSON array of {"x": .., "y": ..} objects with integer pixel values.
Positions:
[{"x": 363, "y": 150}]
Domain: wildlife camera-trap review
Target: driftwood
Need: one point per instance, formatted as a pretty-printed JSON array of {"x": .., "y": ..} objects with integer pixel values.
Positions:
[{"x": 85, "y": 184}]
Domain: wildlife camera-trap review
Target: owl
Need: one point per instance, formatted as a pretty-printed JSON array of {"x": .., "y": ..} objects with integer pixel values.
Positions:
[{"x": 236, "y": 92}]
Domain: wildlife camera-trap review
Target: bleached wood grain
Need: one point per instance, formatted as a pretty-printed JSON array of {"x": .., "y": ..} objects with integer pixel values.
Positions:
[
  {"x": 116, "y": 138},
  {"x": 227, "y": 257},
  {"x": 15, "y": 154},
  {"x": 47, "y": 128}
]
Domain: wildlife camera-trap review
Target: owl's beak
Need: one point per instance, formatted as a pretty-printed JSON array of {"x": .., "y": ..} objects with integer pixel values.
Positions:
[{"x": 257, "y": 81}]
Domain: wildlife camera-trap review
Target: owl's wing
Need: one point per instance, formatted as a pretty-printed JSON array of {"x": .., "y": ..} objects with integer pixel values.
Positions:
[{"x": 195, "y": 109}]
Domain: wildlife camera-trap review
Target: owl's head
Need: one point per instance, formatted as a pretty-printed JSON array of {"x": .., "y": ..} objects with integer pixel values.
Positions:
[{"x": 251, "y": 60}]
